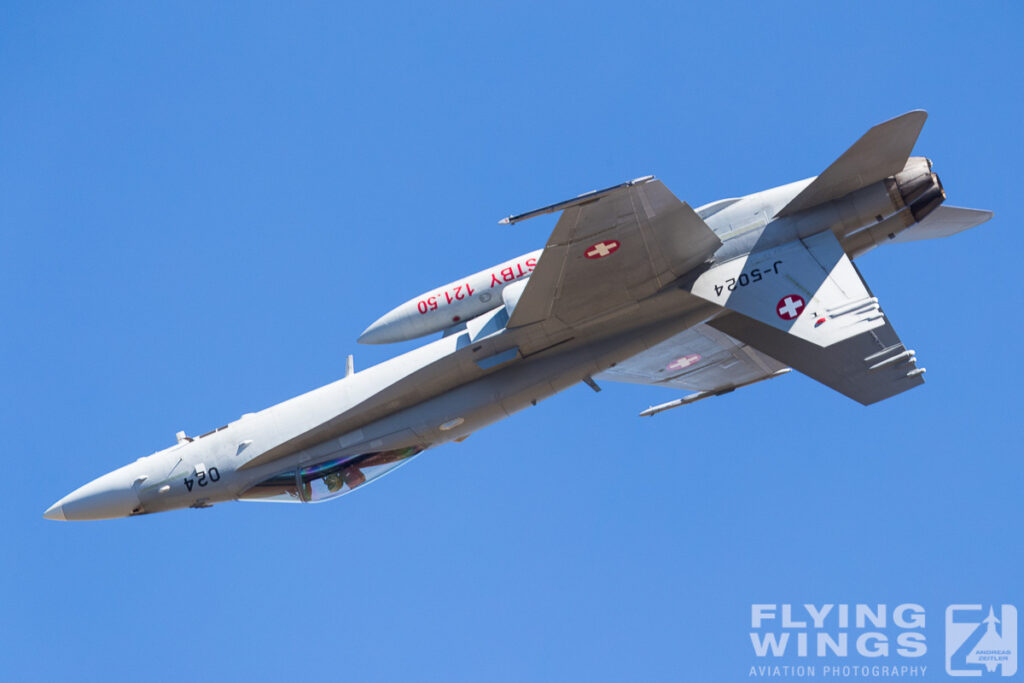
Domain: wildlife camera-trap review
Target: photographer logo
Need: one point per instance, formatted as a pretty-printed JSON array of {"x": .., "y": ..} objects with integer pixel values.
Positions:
[{"x": 981, "y": 640}]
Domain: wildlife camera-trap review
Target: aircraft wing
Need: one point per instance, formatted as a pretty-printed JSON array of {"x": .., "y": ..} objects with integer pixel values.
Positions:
[
  {"x": 610, "y": 249},
  {"x": 700, "y": 359},
  {"x": 734, "y": 350},
  {"x": 805, "y": 304},
  {"x": 807, "y": 288},
  {"x": 867, "y": 367}
]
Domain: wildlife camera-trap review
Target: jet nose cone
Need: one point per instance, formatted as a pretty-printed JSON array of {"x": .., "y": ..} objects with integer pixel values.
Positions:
[
  {"x": 55, "y": 512},
  {"x": 109, "y": 496}
]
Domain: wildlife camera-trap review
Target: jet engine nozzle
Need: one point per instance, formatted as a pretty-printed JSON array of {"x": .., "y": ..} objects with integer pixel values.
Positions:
[
  {"x": 933, "y": 196},
  {"x": 921, "y": 192},
  {"x": 919, "y": 188},
  {"x": 914, "y": 180}
]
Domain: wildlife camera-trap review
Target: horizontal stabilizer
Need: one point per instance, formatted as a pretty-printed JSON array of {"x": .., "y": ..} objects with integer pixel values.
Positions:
[
  {"x": 882, "y": 151},
  {"x": 943, "y": 222}
]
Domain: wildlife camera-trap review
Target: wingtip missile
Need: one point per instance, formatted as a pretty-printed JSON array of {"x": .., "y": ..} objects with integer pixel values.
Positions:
[
  {"x": 586, "y": 197},
  {"x": 689, "y": 398},
  {"x": 700, "y": 395}
]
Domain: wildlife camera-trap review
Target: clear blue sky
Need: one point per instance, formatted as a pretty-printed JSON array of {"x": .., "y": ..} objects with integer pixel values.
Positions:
[{"x": 202, "y": 205}]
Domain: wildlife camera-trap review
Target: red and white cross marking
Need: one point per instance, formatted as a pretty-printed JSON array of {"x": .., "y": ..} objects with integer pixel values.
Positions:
[
  {"x": 790, "y": 306},
  {"x": 601, "y": 249},
  {"x": 684, "y": 362}
]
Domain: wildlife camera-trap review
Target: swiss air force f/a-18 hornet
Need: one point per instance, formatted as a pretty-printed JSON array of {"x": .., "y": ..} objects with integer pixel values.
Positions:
[{"x": 632, "y": 286}]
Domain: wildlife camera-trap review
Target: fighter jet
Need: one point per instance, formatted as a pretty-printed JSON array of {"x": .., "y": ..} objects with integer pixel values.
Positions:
[{"x": 633, "y": 285}]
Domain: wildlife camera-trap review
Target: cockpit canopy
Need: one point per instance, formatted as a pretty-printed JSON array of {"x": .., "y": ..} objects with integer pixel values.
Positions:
[{"x": 328, "y": 479}]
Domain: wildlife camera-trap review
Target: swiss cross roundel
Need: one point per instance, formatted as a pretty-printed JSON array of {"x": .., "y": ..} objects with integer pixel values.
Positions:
[
  {"x": 684, "y": 362},
  {"x": 601, "y": 249},
  {"x": 790, "y": 306}
]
